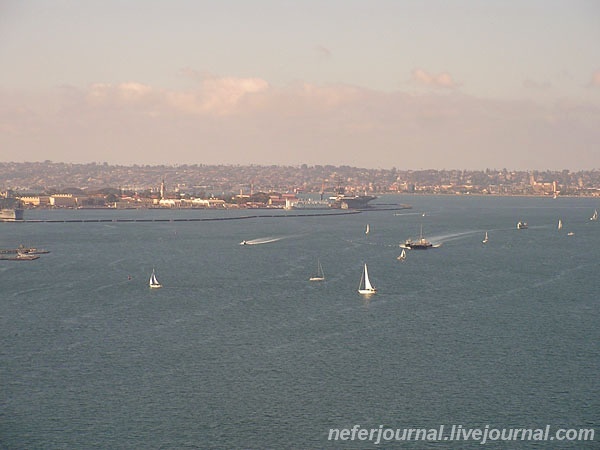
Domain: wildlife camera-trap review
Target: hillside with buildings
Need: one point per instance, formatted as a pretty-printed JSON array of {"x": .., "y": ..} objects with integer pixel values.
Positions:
[{"x": 94, "y": 185}]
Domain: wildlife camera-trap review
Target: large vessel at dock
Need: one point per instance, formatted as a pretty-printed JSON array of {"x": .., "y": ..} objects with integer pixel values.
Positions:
[
  {"x": 352, "y": 201},
  {"x": 10, "y": 209},
  {"x": 345, "y": 201},
  {"x": 11, "y": 214}
]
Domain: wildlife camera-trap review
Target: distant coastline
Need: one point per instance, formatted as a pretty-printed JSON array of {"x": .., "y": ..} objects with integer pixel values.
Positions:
[{"x": 100, "y": 184}]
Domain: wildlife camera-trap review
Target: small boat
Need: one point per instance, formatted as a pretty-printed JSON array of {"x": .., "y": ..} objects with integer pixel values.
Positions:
[
  {"x": 367, "y": 230},
  {"x": 522, "y": 225},
  {"x": 320, "y": 276},
  {"x": 570, "y": 233},
  {"x": 244, "y": 243},
  {"x": 32, "y": 250},
  {"x": 485, "y": 239},
  {"x": 595, "y": 215},
  {"x": 365, "y": 286},
  {"x": 18, "y": 257},
  {"x": 26, "y": 256},
  {"x": 153, "y": 283},
  {"x": 402, "y": 255},
  {"x": 559, "y": 227},
  {"x": 24, "y": 250}
]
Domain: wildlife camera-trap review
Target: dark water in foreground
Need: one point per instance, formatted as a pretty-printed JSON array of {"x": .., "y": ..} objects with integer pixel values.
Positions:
[{"x": 239, "y": 350}]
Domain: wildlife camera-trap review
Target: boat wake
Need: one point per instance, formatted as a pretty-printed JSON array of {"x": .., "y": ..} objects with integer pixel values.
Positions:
[
  {"x": 265, "y": 240},
  {"x": 409, "y": 214},
  {"x": 442, "y": 238}
]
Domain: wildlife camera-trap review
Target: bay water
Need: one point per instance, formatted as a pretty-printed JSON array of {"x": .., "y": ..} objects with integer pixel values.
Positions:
[{"x": 239, "y": 350}]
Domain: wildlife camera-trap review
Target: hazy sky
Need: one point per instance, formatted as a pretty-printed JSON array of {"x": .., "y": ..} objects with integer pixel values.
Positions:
[{"x": 369, "y": 83}]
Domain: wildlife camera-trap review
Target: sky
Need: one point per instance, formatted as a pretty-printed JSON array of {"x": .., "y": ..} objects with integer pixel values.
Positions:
[{"x": 423, "y": 84}]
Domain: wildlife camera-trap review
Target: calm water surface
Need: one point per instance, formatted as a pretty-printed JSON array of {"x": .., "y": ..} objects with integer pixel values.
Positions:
[{"x": 239, "y": 350}]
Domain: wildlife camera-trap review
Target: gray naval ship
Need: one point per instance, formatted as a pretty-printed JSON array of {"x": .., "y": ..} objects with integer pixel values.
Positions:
[
  {"x": 341, "y": 200},
  {"x": 10, "y": 210}
]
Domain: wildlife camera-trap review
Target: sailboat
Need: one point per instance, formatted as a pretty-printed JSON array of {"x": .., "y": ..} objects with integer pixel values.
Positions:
[
  {"x": 320, "y": 276},
  {"x": 485, "y": 239},
  {"x": 367, "y": 229},
  {"x": 153, "y": 283},
  {"x": 595, "y": 215},
  {"x": 365, "y": 286},
  {"x": 559, "y": 227},
  {"x": 402, "y": 256}
]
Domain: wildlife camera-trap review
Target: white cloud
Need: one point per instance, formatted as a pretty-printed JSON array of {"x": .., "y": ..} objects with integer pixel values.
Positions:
[
  {"x": 245, "y": 120},
  {"x": 441, "y": 80},
  {"x": 214, "y": 96}
]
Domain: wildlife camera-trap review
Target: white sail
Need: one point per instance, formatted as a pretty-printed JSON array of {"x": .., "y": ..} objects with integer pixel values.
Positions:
[
  {"x": 485, "y": 239},
  {"x": 595, "y": 215},
  {"x": 367, "y": 281},
  {"x": 368, "y": 287},
  {"x": 402, "y": 255},
  {"x": 559, "y": 224},
  {"x": 367, "y": 229},
  {"x": 153, "y": 283}
]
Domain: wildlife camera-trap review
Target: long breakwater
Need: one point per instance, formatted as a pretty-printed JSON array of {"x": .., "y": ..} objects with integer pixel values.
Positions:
[{"x": 185, "y": 219}]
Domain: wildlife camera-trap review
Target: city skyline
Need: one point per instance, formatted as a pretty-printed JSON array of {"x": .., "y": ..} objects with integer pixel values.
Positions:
[{"x": 383, "y": 84}]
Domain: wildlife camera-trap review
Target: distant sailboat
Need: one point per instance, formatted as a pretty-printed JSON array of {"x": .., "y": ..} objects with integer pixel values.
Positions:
[
  {"x": 320, "y": 276},
  {"x": 595, "y": 215},
  {"x": 153, "y": 283},
  {"x": 559, "y": 224},
  {"x": 368, "y": 229},
  {"x": 365, "y": 286},
  {"x": 485, "y": 239},
  {"x": 402, "y": 256}
]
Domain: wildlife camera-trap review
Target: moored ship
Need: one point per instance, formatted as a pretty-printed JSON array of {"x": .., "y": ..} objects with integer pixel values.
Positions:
[
  {"x": 10, "y": 209},
  {"x": 307, "y": 204},
  {"x": 353, "y": 201},
  {"x": 11, "y": 214},
  {"x": 344, "y": 201}
]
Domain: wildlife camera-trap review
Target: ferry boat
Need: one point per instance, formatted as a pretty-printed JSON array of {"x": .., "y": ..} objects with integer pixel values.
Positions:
[{"x": 421, "y": 244}]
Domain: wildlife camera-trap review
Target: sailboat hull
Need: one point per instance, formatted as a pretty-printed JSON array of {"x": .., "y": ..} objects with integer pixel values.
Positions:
[{"x": 320, "y": 276}]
